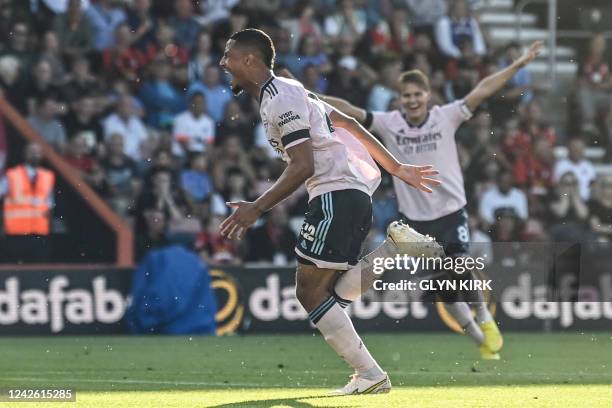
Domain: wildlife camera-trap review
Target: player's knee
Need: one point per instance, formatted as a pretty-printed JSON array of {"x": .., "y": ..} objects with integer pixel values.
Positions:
[
  {"x": 311, "y": 296},
  {"x": 313, "y": 285},
  {"x": 305, "y": 294}
]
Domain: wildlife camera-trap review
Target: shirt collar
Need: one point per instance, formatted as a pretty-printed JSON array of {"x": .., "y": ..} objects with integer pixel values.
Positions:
[
  {"x": 263, "y": 87},
  {"x": 410, "y": 125}
]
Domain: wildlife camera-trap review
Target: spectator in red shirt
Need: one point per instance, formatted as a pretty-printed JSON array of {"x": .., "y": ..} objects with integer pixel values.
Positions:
[
  {"x": 214, "y": 248},
  {"x": 534, "y": 169},
  {"x": 469, "y": 60},
  {"x": 77, "y": 155},
  {"x": 521, "y": 142},
  {"x": 122, "y": 59},
  {"x": 166, "y": 47},
  {"x": 393, "y": 36}
]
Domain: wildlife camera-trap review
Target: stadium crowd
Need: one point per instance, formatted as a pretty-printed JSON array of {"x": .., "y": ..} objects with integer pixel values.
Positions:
[{"x": 131, "y": 95}]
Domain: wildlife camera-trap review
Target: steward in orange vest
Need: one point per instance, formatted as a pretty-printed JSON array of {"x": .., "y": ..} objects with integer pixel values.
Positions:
[{"x": 27, "y": 201}]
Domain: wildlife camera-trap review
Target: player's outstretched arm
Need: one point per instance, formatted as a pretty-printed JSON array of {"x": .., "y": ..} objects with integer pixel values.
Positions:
[
  {"x": 417, "y": 176},
  {"x": 345, "y": 107},
  {"x": 493, "y": 83},
  {"x": 299, "y": 169}
]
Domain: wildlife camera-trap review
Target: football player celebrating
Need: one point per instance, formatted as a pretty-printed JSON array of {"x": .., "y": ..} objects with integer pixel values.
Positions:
[
  {"x": 299, "y": 127},
  {"x": 417, "y": 134}
]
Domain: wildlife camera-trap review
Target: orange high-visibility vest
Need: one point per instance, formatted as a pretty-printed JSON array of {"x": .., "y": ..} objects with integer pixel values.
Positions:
[{"x": 26, "y": 205}]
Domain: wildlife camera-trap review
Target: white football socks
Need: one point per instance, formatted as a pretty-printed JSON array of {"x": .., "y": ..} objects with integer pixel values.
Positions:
[
  {"x": 482, "y": 312},
  {"x": 463, "y": 315},
  {"x": 358, "y": 279},
  {"x": 338, "y": 331}
]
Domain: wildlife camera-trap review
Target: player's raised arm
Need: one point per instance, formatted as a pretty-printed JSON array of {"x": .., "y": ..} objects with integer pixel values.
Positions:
[
  {"x": 298, "y": 170},
  {"x": 493, "y": 83},
  {"x": 416, "y": 176},
  {"x": 345, "y": 107}
]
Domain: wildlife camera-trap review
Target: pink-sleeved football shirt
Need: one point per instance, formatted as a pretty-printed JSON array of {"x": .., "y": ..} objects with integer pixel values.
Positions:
[
  {"x": 432, "y": 142},
  {"x": 291, "y": 115}
]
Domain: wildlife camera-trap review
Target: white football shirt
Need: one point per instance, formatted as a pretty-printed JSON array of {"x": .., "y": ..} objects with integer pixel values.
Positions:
[
  {"x": 199, "y": 132},
  {"x": 583, "y": 170},
  {"x": 432, "y": 142},
  {"x": 291, "y": 115}
]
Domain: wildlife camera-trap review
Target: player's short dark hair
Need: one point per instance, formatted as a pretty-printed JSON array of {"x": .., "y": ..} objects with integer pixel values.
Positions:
[
  {"x": 258, "y": 41},
  {"x": 415, "y": 76}
]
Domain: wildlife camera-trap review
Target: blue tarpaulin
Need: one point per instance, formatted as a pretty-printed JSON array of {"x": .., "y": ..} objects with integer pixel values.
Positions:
[{"x": 171, "y": 294}]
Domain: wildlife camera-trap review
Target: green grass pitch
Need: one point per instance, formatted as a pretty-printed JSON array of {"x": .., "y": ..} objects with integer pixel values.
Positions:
[{"x": 432, "y": 370}]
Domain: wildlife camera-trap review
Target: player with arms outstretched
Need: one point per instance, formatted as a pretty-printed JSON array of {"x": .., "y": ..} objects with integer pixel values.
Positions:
[
  {"x": 340, "y": 185},
  {"x": 417, "y": 134}
]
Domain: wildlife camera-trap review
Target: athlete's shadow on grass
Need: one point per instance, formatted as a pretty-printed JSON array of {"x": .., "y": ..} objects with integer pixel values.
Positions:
[{"x": 291, "y": 402}]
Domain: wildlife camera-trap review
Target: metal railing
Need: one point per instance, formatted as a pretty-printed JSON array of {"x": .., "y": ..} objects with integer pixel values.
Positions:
[
  {"x": 123, "y": 233},
  {"x": 552, "y": 32}
]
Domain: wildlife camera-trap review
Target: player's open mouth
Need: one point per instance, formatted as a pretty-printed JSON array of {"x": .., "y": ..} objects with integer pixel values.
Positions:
[
  {"x": 229, "y": 75},
  {"x": 235, "y": 88}
]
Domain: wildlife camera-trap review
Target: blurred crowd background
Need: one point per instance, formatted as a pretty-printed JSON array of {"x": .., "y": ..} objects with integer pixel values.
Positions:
[{"x": 130, "y": 94}]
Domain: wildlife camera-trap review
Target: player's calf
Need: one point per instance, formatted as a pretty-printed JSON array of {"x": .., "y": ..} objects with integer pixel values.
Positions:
[{"x": 312, "y": 287}]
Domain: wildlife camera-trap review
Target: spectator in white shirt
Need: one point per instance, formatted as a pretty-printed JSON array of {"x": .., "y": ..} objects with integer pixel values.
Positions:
[
  {"x": 125, "y": 122},
  {"x": 577, "y": 164},
  {"x": 458, "y": 27},
  {"x": 193, "y": 129},
  {"x": 348, "y": 20},
  {"x": 213, "y": 11},
  {"x": 504, "y": 195},
  {"x": 426, "y": 13}
]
